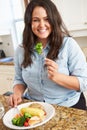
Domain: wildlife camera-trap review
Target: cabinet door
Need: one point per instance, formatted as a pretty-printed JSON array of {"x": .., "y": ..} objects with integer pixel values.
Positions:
[
  {"x": 85, "y": 11},
  {"x": 73, "y": 12},
  {"x": 6, "y": 78},
  {"x": 6, "y": 82}
]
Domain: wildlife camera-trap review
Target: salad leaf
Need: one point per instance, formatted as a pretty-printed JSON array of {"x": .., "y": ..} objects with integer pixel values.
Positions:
[
  {"x": 14, "y": 120},
  {"x": 18, "y": 121},
  {"x": 39, "y": 48},
  {"x": 27, "y": 115}
]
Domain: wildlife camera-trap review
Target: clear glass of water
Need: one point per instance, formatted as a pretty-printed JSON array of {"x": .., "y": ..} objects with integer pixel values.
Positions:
[{"x": 2, "y": 110}]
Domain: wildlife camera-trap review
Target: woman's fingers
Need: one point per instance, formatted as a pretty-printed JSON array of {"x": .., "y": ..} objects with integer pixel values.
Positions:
[
  {"x": 14, "y": 100},
  {"x": 52, "y": 68},
  {"x": 10, "y": 101},
  {"x": 51, "y": 65}
]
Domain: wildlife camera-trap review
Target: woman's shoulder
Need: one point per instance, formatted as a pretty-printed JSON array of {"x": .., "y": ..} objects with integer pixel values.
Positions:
[
  {"x": 71, "y": 47},
  {"x": 19, "y": 48},
  {"x": 68, "y": 39},
  {"x": 70, "y": 42},
  {"x": 19, "y": 52}
]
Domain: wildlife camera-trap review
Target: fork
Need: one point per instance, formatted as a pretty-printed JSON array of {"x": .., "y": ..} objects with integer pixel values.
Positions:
[{"x": 18, "y": 111}]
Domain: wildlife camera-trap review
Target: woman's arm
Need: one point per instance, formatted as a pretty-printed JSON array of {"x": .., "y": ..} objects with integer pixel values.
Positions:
[
  {"x": 19, "y": 85},
  {"x": 16, "y": 97},
  {"x": 72, "y": 60},
  {"x": 19, "y": 89},
  {"x": 70, "y": 82}
]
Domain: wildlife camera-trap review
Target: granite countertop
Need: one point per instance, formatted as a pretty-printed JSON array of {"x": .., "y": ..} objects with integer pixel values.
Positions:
[{"x": 64, "y": 119}]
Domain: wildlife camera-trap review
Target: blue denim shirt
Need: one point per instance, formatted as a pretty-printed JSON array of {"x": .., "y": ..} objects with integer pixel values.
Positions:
[{"x": 71, "y": 61}]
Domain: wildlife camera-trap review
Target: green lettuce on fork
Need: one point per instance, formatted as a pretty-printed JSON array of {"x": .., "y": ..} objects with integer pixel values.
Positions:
[{"x": 39, "y": 48}]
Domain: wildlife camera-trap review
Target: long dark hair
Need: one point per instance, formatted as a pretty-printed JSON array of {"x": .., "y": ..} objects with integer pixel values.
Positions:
[{"x": 56, "y": 36}]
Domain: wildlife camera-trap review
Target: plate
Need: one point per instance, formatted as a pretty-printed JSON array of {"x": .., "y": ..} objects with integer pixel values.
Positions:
[{"x": 50, "y": 110}]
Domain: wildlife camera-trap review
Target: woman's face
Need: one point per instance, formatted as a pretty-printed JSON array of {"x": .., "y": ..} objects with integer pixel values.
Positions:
[{"x": 40, "y": 24}]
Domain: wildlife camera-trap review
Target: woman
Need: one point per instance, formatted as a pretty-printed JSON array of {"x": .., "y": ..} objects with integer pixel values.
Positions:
[{"x": 61, "y": 77}]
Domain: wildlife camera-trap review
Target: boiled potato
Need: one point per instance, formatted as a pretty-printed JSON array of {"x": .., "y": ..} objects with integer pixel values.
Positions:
[{"x": 33, "y": 111}]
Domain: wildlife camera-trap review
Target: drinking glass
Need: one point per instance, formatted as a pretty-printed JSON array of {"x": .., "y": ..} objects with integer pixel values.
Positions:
[{"x": 2, "y": 110}]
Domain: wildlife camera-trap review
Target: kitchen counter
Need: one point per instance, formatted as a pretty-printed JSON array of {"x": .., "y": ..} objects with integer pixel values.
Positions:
[
  {"x": 7, "y": 63},
  {"x": 64, "y": 119}
]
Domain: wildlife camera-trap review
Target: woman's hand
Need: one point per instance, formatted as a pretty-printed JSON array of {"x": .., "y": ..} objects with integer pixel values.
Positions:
[
  {"x": 14, "y": 100},
  {"x": 52, "y": 68},
  {"x": 70, "y": 82},
  {"x": 16, "y": 97}
]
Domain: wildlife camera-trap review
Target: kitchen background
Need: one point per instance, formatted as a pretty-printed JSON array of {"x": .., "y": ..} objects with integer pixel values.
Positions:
[
  {"x": 74, "y": 13},
  {"x": 11, "y": 22}
]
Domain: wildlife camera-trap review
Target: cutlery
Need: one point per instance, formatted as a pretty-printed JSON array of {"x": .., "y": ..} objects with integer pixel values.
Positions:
[{"x": 18, "y": 111}]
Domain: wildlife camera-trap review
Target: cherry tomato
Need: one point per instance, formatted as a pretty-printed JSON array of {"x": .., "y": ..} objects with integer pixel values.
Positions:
[
  {"x": 26, "y": 123},
  {"x": 27, "y": 119}
]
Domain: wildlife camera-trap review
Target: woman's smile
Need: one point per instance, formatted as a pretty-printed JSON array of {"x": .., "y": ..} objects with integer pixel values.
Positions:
[{"x": 40, "y": 23}]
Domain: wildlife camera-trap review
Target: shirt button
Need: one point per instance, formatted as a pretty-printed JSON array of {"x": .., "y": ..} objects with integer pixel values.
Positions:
[{"x": 42, "y": 81}]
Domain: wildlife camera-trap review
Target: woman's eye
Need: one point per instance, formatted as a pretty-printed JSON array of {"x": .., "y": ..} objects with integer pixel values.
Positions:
[
  {"x": 35, "y": 20},
  {"x": 46, "y": 19}
]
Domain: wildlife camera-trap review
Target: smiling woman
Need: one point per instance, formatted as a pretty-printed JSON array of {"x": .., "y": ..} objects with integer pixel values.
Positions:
[{"x": 61, "y": 77}]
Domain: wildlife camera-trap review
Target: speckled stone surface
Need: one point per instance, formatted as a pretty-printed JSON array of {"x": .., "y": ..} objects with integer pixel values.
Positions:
[{"x": 64, "y": 119}]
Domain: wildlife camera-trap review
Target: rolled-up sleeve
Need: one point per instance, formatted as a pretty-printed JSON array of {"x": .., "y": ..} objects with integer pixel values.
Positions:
[
  {"x": 77, "y": 63},
  {"x": 18, "y": 58}
]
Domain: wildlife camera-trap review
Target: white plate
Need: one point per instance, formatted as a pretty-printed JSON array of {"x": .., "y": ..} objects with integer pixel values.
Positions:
[{"x": 11, "y": 113}]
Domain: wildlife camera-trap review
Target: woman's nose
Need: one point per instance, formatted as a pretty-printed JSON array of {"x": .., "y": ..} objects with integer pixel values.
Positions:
[{"x": 42, "y": 23}]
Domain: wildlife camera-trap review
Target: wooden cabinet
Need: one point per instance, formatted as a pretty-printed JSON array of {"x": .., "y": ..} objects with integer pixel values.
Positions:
[
  {"x": 74, "y": 13},
  {"x": 6, "y": 78}
]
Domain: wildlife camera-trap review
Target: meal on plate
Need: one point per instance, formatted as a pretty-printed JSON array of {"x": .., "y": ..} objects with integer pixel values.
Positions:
[
  {"x": 39, "y": 48},
  {"x": 30, "y": 115}
]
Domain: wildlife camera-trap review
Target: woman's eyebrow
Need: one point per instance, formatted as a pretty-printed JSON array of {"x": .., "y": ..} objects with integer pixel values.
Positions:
[
  {"x": 35, "y": 17},
  {"x": 38, "y": 17}
]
